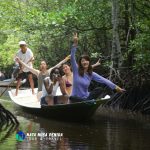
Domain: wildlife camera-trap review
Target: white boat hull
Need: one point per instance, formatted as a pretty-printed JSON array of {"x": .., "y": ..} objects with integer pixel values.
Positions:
[{"x": 25, "y": 98}]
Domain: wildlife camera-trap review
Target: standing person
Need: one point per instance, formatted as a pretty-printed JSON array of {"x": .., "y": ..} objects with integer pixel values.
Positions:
[
  {"x": 26, "y": 56},
  {"x": 42, "y": 73},
  {"x": 82, "y": 76}
]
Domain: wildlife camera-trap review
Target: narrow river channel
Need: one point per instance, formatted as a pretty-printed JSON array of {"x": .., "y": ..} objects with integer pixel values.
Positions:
[{"x": 108, "y": 130}]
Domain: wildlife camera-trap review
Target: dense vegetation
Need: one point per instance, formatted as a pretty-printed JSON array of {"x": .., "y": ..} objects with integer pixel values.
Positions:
[{"x": 117, "y": 31}]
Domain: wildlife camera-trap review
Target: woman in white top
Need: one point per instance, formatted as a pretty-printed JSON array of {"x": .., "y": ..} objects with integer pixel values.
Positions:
[{"x": 50, "y": 88}]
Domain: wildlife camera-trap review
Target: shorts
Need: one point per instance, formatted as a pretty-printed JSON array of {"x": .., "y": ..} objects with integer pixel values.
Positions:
[{"x": 23, "y": 75}]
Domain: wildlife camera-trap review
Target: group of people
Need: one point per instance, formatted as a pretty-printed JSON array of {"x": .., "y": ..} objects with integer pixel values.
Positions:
[{"x": 73, "y": 84}]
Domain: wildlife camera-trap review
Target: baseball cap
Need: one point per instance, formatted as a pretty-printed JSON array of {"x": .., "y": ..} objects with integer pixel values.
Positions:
[{"x": 22, "y": 43}]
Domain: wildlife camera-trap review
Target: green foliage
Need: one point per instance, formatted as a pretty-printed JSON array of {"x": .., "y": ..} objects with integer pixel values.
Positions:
[
  {"x": 141, "y": 46},
  {"x": 47, "y": 26},
  {"x": 7, "y": 52},
  {"x": 3, "y": 37}
]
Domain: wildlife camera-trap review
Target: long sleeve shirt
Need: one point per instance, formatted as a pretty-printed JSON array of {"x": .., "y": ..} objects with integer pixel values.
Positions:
[{"x": 81, "y": 83}]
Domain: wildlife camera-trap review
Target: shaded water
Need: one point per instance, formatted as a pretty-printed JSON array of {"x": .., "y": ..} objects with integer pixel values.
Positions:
[{"x": 109, "y": 130}]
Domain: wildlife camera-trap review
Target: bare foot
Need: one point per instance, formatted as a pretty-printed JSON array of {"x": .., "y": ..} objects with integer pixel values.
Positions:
[
  {"x": 16, "y": 93},
  {"x": 33, "y": 92}
]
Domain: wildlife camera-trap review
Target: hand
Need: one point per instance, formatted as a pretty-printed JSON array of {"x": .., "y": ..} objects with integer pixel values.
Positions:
[
  {"x": 17, "y": 59},
  {"x": 52, "y": 84},
  {"x": 67, "y": 58},
  {"x": 120, "y": 90},
  {"x": 59, "y": 79},
  {"x": 75, "y": 39},
  {"x": 98, "y": 62}
]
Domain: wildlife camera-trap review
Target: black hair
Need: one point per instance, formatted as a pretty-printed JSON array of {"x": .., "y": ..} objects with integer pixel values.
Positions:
[
  {"x": 66, "y": 63},
  {"x": 41, "y": 62},
  {"x": 81, "y": 69},
  {"x": 53, "y": 71}
]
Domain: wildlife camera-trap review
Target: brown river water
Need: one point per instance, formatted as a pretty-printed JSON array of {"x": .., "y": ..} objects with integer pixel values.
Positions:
[{"x": 107, "y": 130}]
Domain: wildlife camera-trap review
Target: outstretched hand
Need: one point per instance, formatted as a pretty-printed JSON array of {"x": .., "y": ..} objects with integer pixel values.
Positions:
[
  {"x": 17, "y": 59},
  {"x": 75, "y": 39},
  {"x": 120, "y": 90}
]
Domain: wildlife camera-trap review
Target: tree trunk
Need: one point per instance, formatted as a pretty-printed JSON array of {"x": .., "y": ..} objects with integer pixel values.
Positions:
[
  {"x": 133, "y": 31},
  {"x": 116, "y": 55}
]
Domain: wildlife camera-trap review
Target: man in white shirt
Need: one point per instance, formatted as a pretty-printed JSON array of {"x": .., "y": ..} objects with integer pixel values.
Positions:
[{"x": 26, "y": 55}]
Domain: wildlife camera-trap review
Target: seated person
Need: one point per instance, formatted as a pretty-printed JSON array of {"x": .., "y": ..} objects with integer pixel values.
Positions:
[
  {"x": 83, "y": 74},
  {"x": 50, "y": 88}
]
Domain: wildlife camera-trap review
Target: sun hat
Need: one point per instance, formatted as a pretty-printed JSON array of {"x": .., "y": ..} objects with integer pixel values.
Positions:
[{"x": 22, "y": 43}]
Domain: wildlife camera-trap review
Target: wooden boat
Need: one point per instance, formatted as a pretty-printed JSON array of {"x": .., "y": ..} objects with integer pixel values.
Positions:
[
  {"x": 73, "y": 111},
  {"x": 6, "y": 83},
  {"x": 10, "y": 83}
]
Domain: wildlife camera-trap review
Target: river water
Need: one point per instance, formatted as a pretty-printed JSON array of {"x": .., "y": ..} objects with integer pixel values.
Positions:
[{"x": 108, "y": 130}]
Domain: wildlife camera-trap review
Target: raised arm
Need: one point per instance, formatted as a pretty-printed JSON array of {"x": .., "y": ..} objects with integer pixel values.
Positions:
[
  {"x": 73, "y": 51},
  {"x": 34, "y": 71},
  {"x": 60, "y": 63},
  {"x": 96, "y": 64}
]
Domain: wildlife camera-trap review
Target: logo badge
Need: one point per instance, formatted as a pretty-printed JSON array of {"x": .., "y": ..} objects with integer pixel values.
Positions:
[{"x": 20, "y": 136}]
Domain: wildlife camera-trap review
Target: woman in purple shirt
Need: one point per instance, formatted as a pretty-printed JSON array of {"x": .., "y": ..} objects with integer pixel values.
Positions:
[{"x": 82, "y": 76}]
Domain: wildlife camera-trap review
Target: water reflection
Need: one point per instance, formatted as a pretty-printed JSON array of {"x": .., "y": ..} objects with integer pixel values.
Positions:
[
  {"x": 103, "y": 133},
  {"x": 6, "y": 131},
  {"x": 109, "y": 130}
]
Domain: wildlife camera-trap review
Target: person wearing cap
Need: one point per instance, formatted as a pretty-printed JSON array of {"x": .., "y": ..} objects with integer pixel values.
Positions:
[{"x": 25, "y": 55}]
